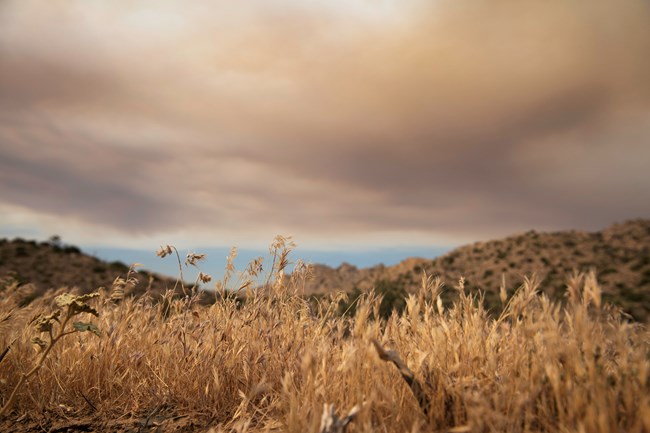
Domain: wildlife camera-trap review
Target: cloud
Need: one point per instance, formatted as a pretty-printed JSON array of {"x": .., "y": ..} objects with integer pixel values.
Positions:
[{"x": 345, "y": 120}]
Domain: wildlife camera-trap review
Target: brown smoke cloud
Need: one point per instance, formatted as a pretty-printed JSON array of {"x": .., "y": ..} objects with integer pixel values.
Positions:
[{"x": 468, "y": 119}]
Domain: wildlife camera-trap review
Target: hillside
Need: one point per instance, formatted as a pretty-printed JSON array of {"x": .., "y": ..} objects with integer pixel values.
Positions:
[
  {"x": 620, "y": 254},
  {"x": 51, "y": 265}
]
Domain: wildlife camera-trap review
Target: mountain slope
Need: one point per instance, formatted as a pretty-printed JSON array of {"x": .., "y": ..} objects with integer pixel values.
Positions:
[
  {"x": 50, "y": 265},
  {"x": 620, "y": 254}
]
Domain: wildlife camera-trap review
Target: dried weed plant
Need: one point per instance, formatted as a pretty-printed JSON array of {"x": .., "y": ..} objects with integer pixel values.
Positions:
[
  {"x": 269, "y": 360},
  {"x": 55, "y": 329}
]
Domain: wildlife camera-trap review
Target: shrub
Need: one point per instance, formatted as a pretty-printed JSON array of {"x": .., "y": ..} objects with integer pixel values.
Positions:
[
  {"x": 608, "y": 271},
  {"x": 118, "y": 266},
  {"x": 21, "y": 251},
  {"x": 393, "y": 294},
  {"x": 71, "y": 249}
]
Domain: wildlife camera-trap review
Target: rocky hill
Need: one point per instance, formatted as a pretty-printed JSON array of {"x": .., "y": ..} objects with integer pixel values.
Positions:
[
  {"x": 52, "y": 265},
  {"x": 620, "y": 254}
]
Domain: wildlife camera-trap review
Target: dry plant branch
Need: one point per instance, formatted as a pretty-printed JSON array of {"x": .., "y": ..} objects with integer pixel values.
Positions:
[
  {"x": 6, "y": 351},
  {"x": 331, "y": 423},
  {"x": 406, "y": 373}
]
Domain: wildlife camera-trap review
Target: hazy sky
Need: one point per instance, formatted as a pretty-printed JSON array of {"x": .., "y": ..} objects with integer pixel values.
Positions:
[{"x": 341, "y": 122}]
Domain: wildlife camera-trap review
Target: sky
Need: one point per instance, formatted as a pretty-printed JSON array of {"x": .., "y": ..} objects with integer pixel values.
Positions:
[{"x": 356, "y": 125}]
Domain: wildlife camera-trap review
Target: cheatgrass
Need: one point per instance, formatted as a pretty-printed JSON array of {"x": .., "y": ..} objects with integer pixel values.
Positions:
[{"x": 267, "y": 359}]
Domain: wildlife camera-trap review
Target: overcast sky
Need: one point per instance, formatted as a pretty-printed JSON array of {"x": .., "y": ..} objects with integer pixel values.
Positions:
[{"x": 345, "y": 123}]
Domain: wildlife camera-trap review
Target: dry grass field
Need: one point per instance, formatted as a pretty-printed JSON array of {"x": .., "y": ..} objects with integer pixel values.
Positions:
[{"x": 274, "y": 361}]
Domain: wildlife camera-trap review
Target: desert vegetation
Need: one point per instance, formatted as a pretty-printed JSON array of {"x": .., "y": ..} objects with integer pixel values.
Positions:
[
  {"x": 264, "y": 357},
  {"x": 619, "y": 254}
]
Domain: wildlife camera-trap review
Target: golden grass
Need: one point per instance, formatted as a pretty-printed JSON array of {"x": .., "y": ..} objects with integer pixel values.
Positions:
[{"x": 277, "y": 362}]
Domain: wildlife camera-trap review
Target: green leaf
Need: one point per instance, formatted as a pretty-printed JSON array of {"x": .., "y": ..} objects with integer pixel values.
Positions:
[{"x": 83, "y": 327}]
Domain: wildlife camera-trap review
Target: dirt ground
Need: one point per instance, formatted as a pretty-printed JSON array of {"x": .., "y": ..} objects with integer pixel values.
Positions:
[{"x": 160, "y": 423}]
